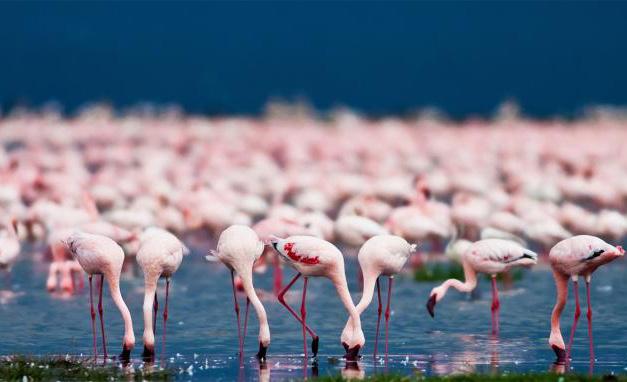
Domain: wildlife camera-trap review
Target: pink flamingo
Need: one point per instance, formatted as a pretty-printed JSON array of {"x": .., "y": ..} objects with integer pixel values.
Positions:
[
  {"x": 160, "y": 254},
  {"x": 9, "y": 245},
  {"x": 238, "y": 248},
  {"x": 489, "y": 256},
  {"x": 380, "y": 255},
  {"x": 573, "y": 257},
  {"x": 99, "y": 255},
  {"x": 314, "y": 257}
]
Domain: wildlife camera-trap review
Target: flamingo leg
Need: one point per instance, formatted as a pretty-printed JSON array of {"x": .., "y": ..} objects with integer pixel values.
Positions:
[
  {"x": 379, "y": 310},
  {"x": 281, "y": 297},
  {"x": 387, "y": 314},
  {"x": 239, "y": 333},
  {"x": 495, "y": 307},
  {"x": 589, "y": 315},
  {"x": 100, "y": 313},
  {"x": 303, "y": 315},
  {"x": 278, "y": 275},
  {"x": 245, "y": 320},
  {"x": 575, "y": 319},
  {"x": 93, "y": 318},
  {"x": 165, "y": 314}
]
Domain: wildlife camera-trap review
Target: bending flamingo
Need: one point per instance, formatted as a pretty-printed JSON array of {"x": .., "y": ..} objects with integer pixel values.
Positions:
[
  {"x": 489, "y": 256},
  {"x": 573, "y": 257},
  {"x": 99, "y": 255},
  {"x": 314, "y": 257},
  {"x": 160, "y": 254},
  {"x": 380, "y": 255},
  {"x": 238, "y": 248}
]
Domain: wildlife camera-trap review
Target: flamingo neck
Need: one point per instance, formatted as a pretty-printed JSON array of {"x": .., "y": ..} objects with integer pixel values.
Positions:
[
  {"x": 150, "y": 289},
  {"x": 370, "y": 279},
  {"x": 342, "y": 290},
  {"x": 247, "y": 281},
  {"x": 470, "y": 282},
  {"x": 116, "y": 296},
  {"x": 561, "y": 283}
]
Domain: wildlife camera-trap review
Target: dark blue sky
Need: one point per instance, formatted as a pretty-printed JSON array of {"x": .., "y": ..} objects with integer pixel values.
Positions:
[{"x": 463, "y": 57}]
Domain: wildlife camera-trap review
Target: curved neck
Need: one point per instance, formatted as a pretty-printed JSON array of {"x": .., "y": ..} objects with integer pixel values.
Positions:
[
  {"x": 470, "y": 281},
  {"x": 249, "y": 289},
  {"x": 114, "y": 288},
  {"x": 342, "y": 290},
  {"x": 370, "y": 280},
  {"x": 561, "y": 282},
  {"x": 150, "y": 288}
]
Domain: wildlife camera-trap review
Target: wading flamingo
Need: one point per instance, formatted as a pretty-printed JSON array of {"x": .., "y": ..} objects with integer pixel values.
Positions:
[
  {"x": 99, "y": 255},
  {"x": 160, "y": 254},
  {"x": 380, "y": 255},
  {"x": 489, "y": 256},
  {"x": 577, "y": 256},
  {"x": 238, "y": 248},
  {"x": 314, "y": 257}
]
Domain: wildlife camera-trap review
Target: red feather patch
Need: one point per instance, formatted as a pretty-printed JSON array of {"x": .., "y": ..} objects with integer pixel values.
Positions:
[{"x": 289, "y": 251}]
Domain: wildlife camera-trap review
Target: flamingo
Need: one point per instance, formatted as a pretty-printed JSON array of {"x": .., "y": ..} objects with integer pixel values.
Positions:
[
  {"x": 238, "y": 248},
  {"x": 99, "y": 255},
  {"x": 160, "y": 254},
  {"x": 380, "y": 255},
  {"x": 489, "y": 256},
  {"x": 570, "y": 258},
  {"x": 9, "y": 245},
  {"x": 314, "y": 257}
]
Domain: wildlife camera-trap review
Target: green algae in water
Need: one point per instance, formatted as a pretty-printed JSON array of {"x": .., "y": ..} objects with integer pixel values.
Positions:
[
  {"x": 514, "y": 377},
  {"x": 22, "y": 368}
]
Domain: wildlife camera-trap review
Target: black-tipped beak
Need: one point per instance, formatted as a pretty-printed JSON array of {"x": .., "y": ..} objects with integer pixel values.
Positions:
[
  {"x": 560, "y": 354},
  {"x": 431, "y": 305},
  {"x": 352, "y": 354},
  {"x": 261, "y": 354},
  {"x": 125, "y": 356},
  {"x": 148, "y": 354},
  {"x": 314, "y": 346}
]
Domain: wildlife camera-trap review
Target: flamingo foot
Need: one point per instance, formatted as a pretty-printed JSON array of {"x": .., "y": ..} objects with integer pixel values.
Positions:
[
  {"x": 431, "y": 305},
  {"x": 314, "y": 346},
  {"x": 261, "y": 354},
  {"x": 560, "y": 354},
  {"x": 352, "y": 354},
  {"x": 149, "y": 354}
]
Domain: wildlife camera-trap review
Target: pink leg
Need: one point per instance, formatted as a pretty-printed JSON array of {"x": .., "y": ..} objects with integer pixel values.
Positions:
[
  {"x": 303, "y": 315},
  {"x": 165, "y": 314},
  {"x": 100, "y": 313},
  {"x": 575, "y": 320},
  {"x": 281, "y": 297},
  {"x": 379, "y": 310},
  {"x": 495, "y": 307},
  {"x": 387, "y": 314},
  {"x": 278, "y": 275},
  {"x": 245, "y": 320},
  {"x": 239, "y": 333},
  {"x": 93, "y": 319},
  {"x": 589, "y": 314}
]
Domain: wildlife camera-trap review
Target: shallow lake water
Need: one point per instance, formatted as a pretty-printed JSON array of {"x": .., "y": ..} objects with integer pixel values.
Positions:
[{"x": 202, "y": 332}]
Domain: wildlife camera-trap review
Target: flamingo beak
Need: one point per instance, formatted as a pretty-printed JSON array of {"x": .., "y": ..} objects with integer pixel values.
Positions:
[
  {"x": 560, "y": 354},
  {"x": 125, "y": 356},
  {"x": 352, "y": 354},
  {"x": 314, "y": 346},
  {"x": 148, "y": 355},
  {"x": 431, "y": 305},
  {"x": 261, "y": 354}
]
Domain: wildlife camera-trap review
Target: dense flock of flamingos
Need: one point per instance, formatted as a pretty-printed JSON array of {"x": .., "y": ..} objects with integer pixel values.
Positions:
[{"x": 98, "y": 190}]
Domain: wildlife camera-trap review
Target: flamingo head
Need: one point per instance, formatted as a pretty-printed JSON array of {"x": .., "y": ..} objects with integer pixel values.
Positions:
[
  {"x": 560, "y": 355},
  {"x": 261, "y": 354},
  {"x": 125, "y": 356},
  {"x": 148, "y": 355}
]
